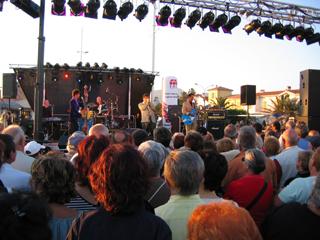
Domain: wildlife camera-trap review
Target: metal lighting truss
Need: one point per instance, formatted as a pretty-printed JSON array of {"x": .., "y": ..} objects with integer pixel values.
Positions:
[{"x": 260, "y": 8}]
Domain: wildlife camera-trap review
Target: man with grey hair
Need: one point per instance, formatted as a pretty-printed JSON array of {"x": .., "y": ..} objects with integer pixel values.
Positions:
[
  {"x": 22, "y": 162},
  {"x": 295, "y": 220},
  {"x": 299, "y": 189},
  {"x": 155, "y": 154},
  {"x": 289, "y": 155},
  {"x": 230, "y": 131},
  {"x": 236, "y": 166},
  {"x": 73, "y": 142},
  {"x": 99, "y": 129},
  {"x": 183, "y": 170}
]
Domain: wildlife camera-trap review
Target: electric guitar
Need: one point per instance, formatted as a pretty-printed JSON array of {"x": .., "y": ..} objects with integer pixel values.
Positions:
[{"x": 188, "y": 119}]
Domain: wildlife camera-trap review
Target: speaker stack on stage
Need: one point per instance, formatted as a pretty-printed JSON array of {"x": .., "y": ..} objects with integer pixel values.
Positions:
[
  {"x": 216, "y": 122},
  {"x": 9, "y": 85},
  {"x": 310, "y": 98},
  {"x": 248, "y": 97}
]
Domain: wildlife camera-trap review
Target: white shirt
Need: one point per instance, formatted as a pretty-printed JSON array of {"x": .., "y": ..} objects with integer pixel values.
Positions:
[
  {"x": 13, "y": 178},
  {"x": 229, "y": 155},
  {"x": 299, "y": 190},
  {"x": 23, "y": 162},
  {"x": 287, "y": 160}
]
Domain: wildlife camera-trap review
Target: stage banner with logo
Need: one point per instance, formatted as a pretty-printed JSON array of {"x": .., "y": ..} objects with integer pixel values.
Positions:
[{"x": 169, "y": 98}]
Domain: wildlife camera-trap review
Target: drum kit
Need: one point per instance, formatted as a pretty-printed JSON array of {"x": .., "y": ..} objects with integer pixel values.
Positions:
[{"x": 106, "y": 115}]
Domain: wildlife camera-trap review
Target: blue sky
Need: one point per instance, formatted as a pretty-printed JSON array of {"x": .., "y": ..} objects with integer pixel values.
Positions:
[{"x": 191, "y": 55}]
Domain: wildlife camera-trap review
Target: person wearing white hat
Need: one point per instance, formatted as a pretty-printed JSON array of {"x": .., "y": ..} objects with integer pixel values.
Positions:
[{"x": 33, "y": 148}]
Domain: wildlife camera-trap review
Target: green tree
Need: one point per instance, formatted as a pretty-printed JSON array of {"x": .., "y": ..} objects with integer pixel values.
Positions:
[
  {"x": 221, "y": 102},
  {"x": 283, "y": 105}
]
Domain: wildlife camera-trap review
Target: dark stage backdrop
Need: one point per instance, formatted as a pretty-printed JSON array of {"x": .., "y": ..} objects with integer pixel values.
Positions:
[{"x": 111, "y": 86}]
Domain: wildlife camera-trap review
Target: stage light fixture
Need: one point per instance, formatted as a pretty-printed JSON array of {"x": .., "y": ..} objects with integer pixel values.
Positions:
[
  {"x": 252, "y": 26},
  {"x": 141, "y": 12},
  {"x": 139, "y": 70},
  {"x": 125, "y": 70},
  {"x": 79, "y": 64},
  {"x": 298, "y": 31},
  {"x": 79, "y": 77},
  {"x": 87, "y": 65},
  {"x": 100, "y": 78},
  {"x": 218, "y": 22},
  {"x": 163, "y": 18},
  {"x": 193, "y": 18},
  {"x": 66, "y": 76},
  {"x": 96, "y": 65},
  {"x": 66, "y": 66},
  {"x": 29, "y": 7},
  {"x": 110, "y": 10},
  {"x": 124, "y": 10},
  {"x": 104, "y": 66},
  {"x": 91, "y": 9},
  {"x": 58, "y": 7},
  {"x": 56, "y": 66},
  {"x": 110, "y": 77},
  {"x": 132, "y": 70},
  {"x": 48, "y": 65},
  {"x": 116, "y": 69},
  {"x": 178, "y": 17},
  {"x": 265, "y": 27},
  {"x": 313, "y": 39},
  {"x": 286, "y": 31},
  {"x": 120, "y": 81},
  {"x": 206, "y": 20},
  {"x": 1, "y": 5},
  {"x": 231, "y": 24},
  {"x": 76, "y": 7},
  {"x": 306, "y": 33},
  {"x": 277, "y": 28}
]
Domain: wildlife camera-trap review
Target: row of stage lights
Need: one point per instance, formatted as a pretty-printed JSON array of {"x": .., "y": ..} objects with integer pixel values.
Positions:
[
  {"x": 164, "y": 18},
  {"x": 94, "y": 73}
]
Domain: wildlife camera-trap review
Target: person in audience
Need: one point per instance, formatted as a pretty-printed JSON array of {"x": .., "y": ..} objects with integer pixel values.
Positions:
[
  {"x": 302, "y": 166},
  {"x": 193, "y": 141},
  {"x": 162, "y": 135},
  {"x": 302, "y": 132},
  {"x": 238, "y": 169},
  {"x": 314, "y": 141},
  {"x": 252, "y": 191},
  {"x": 296, "y": 221},
  {"x": 119, "y": 179},
  {"x": 89, "y": 151},
  {"x": 289, "y": 125},
  {"x": 230, "y": 131},
  {"x": 258, "y": 127},
  {"x": 183, "y": 171},
  {"x": 276, "y": 128},
  {"x": 139, "y": 136},
  {"x": 215, "y": 169},
  {"x": 34, "y": 149},
  {"x": 299, "y": 189},
  {"x": 209, "y": 146},
  {"x": 154, "y": 153},
  {"x": 22, "y": 162},
  {"x": 222, "y": 221},
  {"x": 121, "y": 137},
  {"x": 227, "y": 148},
  {"x": 177, "y": 140},
  {"x": 271, "y": 146},
  {"x": 206, "y": 135},
  {"x": 313, "y": 133},
  {"x": 11, "y": 178},
  {"x": 288, "y": 157},
  {"x": 98, "y": 130},
  {"x": 73, "y": 142},
  {"x": 24, "y": 216},
  {"x": 53, "y": 179}
]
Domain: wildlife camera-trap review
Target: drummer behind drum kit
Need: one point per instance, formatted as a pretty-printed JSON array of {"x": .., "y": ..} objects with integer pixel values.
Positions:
[{"x": 106, "y": 115}]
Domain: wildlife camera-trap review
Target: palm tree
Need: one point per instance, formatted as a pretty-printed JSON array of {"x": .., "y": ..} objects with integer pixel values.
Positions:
[
  {"x": 221, "y": 102},
  {"x": 283, "y": 105}
]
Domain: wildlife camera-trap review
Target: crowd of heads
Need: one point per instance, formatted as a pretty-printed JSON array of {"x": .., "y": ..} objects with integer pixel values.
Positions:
[{"x": 118, "y": 168}]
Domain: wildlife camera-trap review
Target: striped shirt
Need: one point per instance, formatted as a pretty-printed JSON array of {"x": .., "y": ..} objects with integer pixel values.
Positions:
[{"x": 81, "y": 204}]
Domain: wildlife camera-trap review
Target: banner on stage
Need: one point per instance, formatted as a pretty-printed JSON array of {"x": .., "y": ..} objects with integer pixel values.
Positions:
[{"x": 169, "y": 97}]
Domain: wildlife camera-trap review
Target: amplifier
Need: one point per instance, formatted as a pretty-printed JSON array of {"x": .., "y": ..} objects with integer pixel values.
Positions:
[{"x": 216, "y": 114}]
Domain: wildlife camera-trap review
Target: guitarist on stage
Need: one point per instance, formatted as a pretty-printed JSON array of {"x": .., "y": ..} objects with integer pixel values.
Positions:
[
  {"x": 74, "y": 116},
  {"x": 189, "y": 113}
]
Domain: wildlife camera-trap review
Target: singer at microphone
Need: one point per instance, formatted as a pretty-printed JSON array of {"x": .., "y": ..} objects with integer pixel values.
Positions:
[{"x": 148, "y": 117}]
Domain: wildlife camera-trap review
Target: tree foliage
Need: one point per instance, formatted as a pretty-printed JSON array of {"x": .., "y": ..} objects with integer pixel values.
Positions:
[
  {"x": 221, "y": 102},
  {"x": 283, "y": 105}
]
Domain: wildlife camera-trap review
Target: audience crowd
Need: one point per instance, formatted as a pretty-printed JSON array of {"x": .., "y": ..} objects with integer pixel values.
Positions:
[{"x": 257, "y": 182}]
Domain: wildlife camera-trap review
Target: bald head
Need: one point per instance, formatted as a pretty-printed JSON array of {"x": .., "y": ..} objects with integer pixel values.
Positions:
[
  {"x": 99, "y": 129},
  {"x": 290, "y": 138}
]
